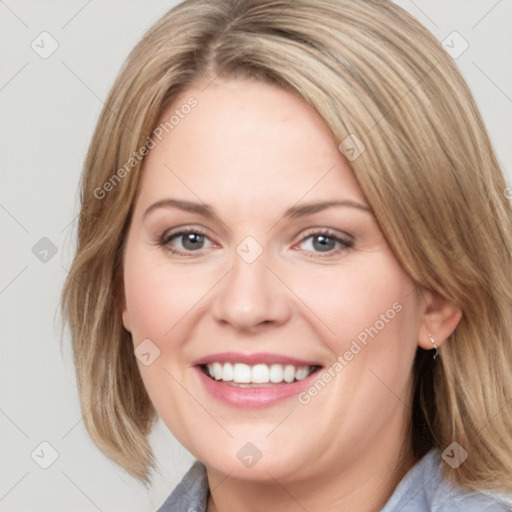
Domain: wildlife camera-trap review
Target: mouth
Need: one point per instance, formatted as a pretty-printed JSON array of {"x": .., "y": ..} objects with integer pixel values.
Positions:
[
  {"x": 253, "y": 381},
  {"x": 257, "y": 375}
]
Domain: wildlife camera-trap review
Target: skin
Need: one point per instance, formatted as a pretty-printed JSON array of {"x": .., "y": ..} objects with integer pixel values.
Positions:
[{"x": 251, "y": 151}]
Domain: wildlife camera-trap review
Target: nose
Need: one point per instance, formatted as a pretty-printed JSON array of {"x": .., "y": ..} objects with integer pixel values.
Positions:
[{"x": 251, "y": 297}]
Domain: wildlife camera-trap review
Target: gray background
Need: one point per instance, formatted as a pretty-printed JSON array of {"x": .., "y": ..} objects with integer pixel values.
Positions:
[{"x": 48, "y": 111}]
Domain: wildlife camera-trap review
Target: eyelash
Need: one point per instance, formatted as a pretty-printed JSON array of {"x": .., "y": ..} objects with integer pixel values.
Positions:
[
  {"x": 345, "y": 244},
  {"x": 166, "y": 238}
]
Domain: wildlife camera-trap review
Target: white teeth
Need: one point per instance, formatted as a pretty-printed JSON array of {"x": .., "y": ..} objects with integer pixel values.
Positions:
[
  {"x": 258, "y": 374},
  {"x": 217, "y": 371},
  {"x": 228, "y": 372},
  {"x": 276, "y": 373},
  {"x": 241, "y": 373},
  {"x": 289, "y": 373},
  {"x": 302, "y": 373}
]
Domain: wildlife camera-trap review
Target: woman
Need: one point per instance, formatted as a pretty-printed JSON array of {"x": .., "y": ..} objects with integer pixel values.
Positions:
[{"x": 294, "y": 248}]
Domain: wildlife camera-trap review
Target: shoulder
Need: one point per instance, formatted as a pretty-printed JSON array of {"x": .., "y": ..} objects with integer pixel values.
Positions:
[
  {"x": 191, "y": 494},
  {"x": 424, "y": 489}
]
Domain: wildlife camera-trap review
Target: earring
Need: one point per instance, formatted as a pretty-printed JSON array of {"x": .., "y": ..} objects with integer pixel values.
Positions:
[{"x": 434, "y": 343}]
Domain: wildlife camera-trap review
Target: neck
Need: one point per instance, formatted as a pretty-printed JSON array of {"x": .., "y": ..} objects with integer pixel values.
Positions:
[{"x": 363, "y": 484}]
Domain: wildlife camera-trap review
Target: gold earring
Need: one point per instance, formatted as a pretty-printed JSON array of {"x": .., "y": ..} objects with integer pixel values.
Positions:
[{"x": 434, "y": 343}]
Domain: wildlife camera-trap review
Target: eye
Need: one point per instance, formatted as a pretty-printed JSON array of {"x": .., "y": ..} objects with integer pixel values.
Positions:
[
  {"x": 325, "y": 242},
  {"x": 185, "y": 241}
]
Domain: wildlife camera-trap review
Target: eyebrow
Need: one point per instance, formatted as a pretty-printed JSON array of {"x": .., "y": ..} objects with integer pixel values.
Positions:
[
  {"x": 201, "y": 209},
  {"x": 314, "y": 207},
  {"x": 292, "y": 212}
]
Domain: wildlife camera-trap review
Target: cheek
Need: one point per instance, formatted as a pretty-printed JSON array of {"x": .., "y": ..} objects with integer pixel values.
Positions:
[
  {"x": 369, "y": 320},
  {"x": 158, "y": 298},
  {"x": 375, "y": 299},
  {"x": 160, "y": 304}
]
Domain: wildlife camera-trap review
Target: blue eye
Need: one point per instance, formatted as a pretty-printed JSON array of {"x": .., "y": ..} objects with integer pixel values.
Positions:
[
  {"x": 186, "y": 241},
  {"x": 325, "y": 243}
]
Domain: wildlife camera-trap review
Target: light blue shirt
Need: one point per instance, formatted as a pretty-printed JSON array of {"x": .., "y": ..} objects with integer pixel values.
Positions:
[{"x": 423, "y": 489}]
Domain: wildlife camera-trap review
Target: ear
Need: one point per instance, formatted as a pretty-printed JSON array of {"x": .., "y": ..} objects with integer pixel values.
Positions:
[
  {"x": 126, "y": 316},
  {"x": 124, "y": 309},
  {"x": 440, "y": 318}
]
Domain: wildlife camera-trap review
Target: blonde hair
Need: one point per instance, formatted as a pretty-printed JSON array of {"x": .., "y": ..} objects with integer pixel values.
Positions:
[{"x": 428, "y": 171}]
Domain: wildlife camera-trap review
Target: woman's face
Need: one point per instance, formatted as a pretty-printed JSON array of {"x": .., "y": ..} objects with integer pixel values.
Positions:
[{"x": 253, "y": 255}]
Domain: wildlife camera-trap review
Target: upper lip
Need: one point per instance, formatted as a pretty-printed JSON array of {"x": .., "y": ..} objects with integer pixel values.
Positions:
[{"x": 252, "y": 359}]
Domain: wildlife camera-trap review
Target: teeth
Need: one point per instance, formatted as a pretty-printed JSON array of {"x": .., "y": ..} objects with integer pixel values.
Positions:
[
  {"x": 276, "y": 373},
  {"x": 302, "y": 373},
  {"x": 289, "y": 373},
  {"x": 227, "y": 371},
  {"x": 258, "y": 374},
  {"x": 241, "y": 373},
  {"x": 217, "y": 371}
]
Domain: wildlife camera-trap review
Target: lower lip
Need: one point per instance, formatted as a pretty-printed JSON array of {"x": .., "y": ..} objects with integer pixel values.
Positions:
[{"x": 253, "y": 397}]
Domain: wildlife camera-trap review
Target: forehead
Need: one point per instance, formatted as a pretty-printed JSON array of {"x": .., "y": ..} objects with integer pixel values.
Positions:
[{"x": 246, "y": 142}]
